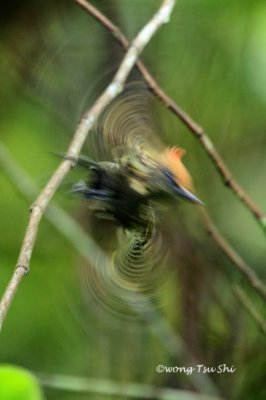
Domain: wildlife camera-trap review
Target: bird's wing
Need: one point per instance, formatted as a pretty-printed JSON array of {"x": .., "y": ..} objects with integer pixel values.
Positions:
[{"x": 126, "y": 125}]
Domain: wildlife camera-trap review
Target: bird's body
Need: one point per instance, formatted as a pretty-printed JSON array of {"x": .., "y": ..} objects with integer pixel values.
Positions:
[{"x": 124, "y": 190}]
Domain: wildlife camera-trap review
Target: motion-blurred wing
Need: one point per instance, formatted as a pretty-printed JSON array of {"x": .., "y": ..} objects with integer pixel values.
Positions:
[
  {"x": 135, "y": 272},
  {"x": 126, "y": 125}
]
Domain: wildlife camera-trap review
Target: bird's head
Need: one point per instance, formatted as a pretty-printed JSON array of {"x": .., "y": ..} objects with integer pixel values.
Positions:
[{"x": 179, "y": 181}]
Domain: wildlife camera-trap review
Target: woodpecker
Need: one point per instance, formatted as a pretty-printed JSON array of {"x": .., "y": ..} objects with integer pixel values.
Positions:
[
  {"x": 135, "y": 179},
  {"x": 126, "y": 190}
]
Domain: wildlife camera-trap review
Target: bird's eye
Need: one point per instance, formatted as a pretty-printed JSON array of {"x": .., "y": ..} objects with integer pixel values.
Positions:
[{"x": 170, "y": 177}]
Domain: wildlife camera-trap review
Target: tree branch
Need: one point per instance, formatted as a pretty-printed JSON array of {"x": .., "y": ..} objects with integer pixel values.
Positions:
[
  {"x": 249, "y": 307},
  {"x": 38, "y": 208},
  {"x": 233, "y": 256},
  {"x": 193, "y": 126}
]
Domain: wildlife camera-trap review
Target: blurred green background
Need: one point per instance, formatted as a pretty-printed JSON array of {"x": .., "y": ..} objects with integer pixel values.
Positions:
[{"x": 211, "y": 59}]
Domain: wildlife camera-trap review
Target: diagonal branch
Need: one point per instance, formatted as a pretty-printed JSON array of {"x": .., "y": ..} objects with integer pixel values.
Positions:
[
  {"x": 39, "y": 206},
  {"x": 222, "y": 243},
  {"x": 194, "y": 128},
  {"x": 250, "y": 308},
  {"x": 233, "y": 256}
]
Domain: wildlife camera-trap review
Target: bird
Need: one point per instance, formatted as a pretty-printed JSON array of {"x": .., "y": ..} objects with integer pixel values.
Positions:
[{"x": 133, "y": 182}]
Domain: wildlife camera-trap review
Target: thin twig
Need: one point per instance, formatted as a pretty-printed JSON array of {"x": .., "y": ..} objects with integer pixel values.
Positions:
[
  {"x": 233, "y": 256},
  {"x": 249, "y": 307},
  {"x": 198, "y": 131},
  {"x": 132, "y": 390},
  {"x": 114, "y": 88},
  {"x": 193, "y": 126}
]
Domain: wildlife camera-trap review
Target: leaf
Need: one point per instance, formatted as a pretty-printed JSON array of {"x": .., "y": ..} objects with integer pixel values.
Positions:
[{"x": 18, "y": 384}]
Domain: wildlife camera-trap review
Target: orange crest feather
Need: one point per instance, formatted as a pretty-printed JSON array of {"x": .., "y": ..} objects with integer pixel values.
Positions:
[{"x": 171, "y": 157}]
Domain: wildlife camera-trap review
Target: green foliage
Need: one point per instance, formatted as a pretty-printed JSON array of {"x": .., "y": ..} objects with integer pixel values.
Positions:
[{"x": 18, "y": 384}]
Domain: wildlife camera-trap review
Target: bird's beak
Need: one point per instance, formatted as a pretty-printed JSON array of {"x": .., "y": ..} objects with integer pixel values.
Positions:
[{"x": 186, "y": 194}]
